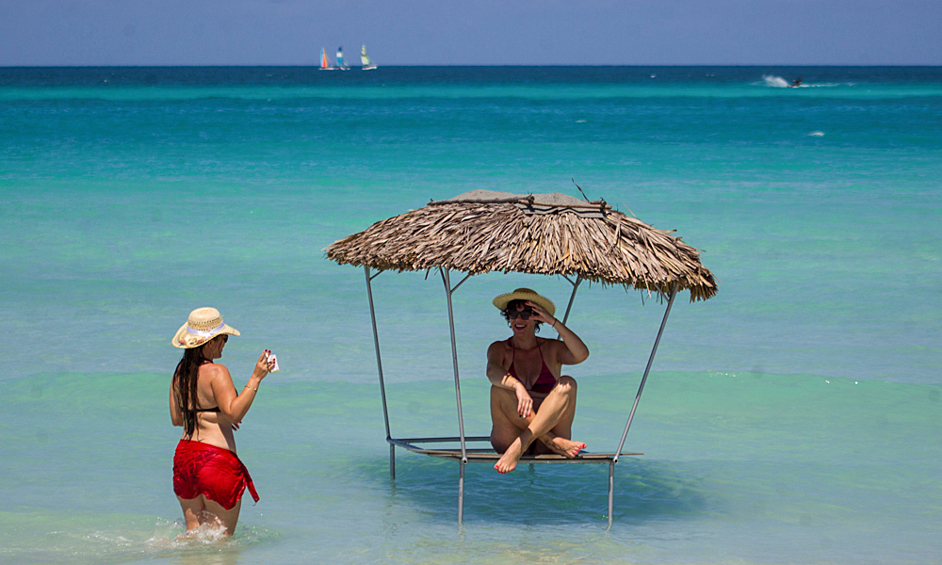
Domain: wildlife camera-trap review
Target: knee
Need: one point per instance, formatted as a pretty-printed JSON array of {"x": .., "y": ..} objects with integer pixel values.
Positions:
[
  {"x": 503, "y": 402},
  {"x": 566, "y": 384}
]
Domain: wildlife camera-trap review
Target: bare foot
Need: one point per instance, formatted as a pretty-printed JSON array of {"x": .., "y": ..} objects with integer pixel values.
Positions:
[
  {"x": 510, "y": 458},
  {"x": 565, "y": 447}
]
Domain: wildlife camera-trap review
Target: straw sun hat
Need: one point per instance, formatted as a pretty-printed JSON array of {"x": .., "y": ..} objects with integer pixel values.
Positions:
[
  {"x": 525, "y": 294},
  {"x": 203, "y": 325}
]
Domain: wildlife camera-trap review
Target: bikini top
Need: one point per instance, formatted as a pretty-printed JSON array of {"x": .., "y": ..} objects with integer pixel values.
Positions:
[{"x": 545, "y": 382}]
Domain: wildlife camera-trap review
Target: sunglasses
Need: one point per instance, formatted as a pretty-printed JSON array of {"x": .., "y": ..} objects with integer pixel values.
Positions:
[
  {"x": 524, "y": 314},
  {"x": 225, "y": 338}
]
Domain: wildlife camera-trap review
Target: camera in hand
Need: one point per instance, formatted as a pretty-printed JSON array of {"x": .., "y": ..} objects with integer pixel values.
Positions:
[{"x": 271, "y": 357}]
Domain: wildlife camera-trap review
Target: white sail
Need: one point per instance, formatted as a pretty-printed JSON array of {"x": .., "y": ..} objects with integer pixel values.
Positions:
[
  {"x": 340, "y": 63},
  {"x": 365, "y": 60}
]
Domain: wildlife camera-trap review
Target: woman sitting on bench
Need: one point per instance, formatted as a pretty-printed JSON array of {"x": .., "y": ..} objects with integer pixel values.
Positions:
[{"x": 532, "y": 406}]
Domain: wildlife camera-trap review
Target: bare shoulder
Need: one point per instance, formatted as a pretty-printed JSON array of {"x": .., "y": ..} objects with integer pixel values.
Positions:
[
  {"x": 213, "y": 371},
  {"x": 498, "y": 350}
]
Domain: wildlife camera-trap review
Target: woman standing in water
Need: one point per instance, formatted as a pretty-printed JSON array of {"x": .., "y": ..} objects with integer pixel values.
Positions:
[
  {"x": 208, "y": 477},
  {"x": 530, "y": 401}
]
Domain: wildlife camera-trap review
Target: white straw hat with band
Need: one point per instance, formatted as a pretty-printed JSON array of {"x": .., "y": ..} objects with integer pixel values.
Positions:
[
  {"x": 203, "y": 325},
  {"x": 503, "y": 300}
]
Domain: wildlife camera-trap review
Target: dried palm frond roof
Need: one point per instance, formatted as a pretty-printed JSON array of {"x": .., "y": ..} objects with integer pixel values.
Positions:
[{"x": 546, "y": 234}]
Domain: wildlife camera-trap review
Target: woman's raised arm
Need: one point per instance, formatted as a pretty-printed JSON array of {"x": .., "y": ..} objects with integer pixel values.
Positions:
[
  {"x": 231, "y": 404},
  {"x": 575, "y": 350}
]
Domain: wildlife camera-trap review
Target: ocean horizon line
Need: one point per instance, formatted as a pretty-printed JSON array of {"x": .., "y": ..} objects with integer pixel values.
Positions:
[{"x": 473, "y": 66}]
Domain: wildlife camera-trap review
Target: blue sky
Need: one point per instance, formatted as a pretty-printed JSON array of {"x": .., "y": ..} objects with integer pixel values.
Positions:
[{"x": 472, "y": 32}]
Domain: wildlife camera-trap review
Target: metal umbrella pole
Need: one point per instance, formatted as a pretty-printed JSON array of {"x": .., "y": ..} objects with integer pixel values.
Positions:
[
  {"x": 379, "y": 366},
  {"x": 446, "y": 279},
  {"x": 624, "y": 435},
  {"x": 572, "y": 297},
  {"x": 647, "y": 370}
]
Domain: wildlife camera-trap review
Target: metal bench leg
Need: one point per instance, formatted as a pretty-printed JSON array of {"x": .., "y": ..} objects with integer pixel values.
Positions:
[
  {"x": 611, "y": 491},
  {"x": 461, "y": 493}
]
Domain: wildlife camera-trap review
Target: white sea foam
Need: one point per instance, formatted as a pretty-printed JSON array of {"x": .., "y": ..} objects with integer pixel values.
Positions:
[
  {"x": 774, "y": 81},
  {"x": 779, "y": 82}
]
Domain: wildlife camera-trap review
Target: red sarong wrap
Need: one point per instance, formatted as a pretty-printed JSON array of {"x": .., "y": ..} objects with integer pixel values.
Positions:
[{"x": 200, "y": 468}]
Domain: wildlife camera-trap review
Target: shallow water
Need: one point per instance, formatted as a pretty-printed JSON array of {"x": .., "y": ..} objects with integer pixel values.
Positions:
[
  {"x": 796, "y": 467},
  {"x": 793, "y": 418}
]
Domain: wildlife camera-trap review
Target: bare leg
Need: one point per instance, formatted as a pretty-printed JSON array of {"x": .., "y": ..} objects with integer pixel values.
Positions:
[
  {"x": 227, "y": 518},
  {"x": 507, "y": 425},
  {"x": 552, "y": 424},
  {"x": 193, "y": 510},
  {"x": 198, "y": 511},
  {"x": 559, "y": 439}
]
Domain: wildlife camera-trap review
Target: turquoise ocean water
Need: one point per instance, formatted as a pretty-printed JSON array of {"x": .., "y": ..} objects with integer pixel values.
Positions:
[{"x": 793, "y": 418}]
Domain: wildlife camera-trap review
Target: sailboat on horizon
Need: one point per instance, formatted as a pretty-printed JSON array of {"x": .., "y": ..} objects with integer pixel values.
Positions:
[
  {"x": 365, "y": 60},
  {"x": 325, "y": 62},
  {"x": 340, "y": 64}
]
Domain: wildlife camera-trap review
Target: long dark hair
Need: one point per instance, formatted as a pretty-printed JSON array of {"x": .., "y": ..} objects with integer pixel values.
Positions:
[{"x": 184, "y": 387}]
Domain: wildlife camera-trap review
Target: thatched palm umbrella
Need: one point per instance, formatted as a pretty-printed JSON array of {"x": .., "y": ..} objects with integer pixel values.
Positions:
[
  {"x": 549, "y": 234},
  {"x": 546, "y": 234}
]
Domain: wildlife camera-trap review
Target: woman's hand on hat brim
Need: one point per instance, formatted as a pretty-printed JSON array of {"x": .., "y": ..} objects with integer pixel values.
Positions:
[{"x": 541, "y": 315}]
